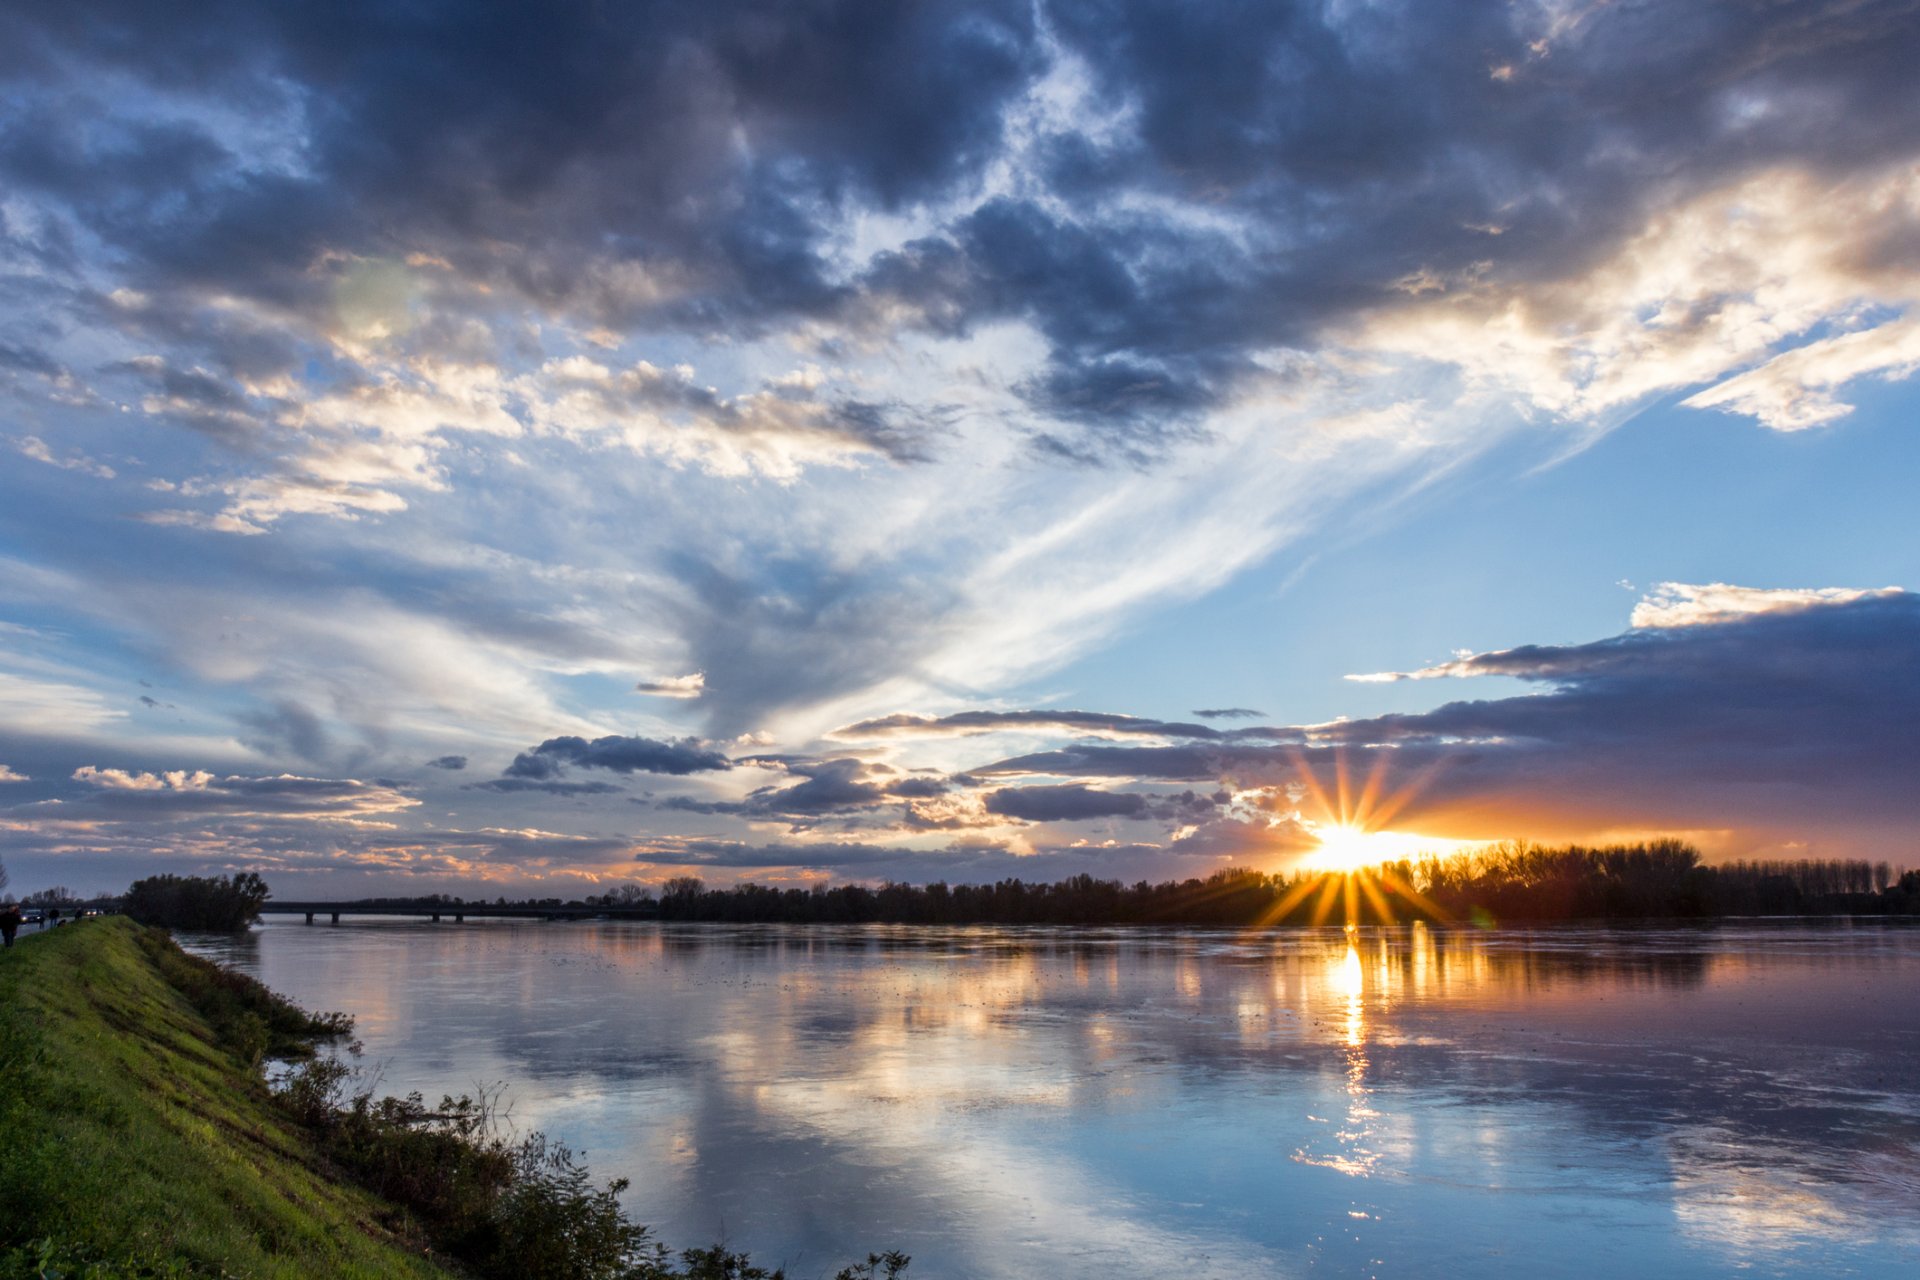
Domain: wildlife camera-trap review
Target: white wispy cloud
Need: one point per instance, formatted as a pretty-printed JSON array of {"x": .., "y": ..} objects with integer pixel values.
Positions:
[
  {"x": 1800, "y": 388},
  {"x": 1680, "y": 604}
]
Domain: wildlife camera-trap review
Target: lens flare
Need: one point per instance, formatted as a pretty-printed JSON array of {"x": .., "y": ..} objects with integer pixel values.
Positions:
[{"x": 1344, "y": 847}]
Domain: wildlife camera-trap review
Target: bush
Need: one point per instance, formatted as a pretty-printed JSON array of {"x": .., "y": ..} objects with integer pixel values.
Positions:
[
  {"x": 525, "y": 1210},
  {"x": 248, "y": 1019},
  {"x": 551, "y": 1223}
]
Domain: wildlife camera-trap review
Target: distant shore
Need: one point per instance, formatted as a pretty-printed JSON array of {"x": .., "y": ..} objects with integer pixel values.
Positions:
[{"x": 1514, "y": 882}]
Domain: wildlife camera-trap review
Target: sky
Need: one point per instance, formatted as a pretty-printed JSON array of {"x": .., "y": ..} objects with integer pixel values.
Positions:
[{"x": 483, "y": 447}]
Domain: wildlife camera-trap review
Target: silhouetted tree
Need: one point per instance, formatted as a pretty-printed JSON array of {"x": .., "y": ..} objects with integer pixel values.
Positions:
[{"x": 215, "y": 903}]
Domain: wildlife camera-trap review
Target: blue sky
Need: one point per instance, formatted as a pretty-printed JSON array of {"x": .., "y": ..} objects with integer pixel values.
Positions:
[{"x": 457, "y": 446}]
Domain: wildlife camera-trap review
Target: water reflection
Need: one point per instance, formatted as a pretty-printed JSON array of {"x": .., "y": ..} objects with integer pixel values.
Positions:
[
  {"x": 1133, "y": 1102},
  {"x": 1349, "y": 1154}
]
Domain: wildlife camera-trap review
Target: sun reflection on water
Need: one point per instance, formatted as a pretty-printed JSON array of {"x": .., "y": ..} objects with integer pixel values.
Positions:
[
  {"x": 1354, "y": 981},
  {"x": 1346, "y": 983}
]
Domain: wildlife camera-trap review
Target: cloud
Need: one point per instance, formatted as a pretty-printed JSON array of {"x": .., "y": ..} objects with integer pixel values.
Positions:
[
  {"x": 1769, "y": 717},
  {"x": 1072, "y": 803},
  {"x": 1783, "y": 715},
  {"x": 287, "y": 727},
  {"x": 617, "y": 754},
  {"x": 1679, "y": 604},
  {"x": 454, "y": 763},
  {"x": 842, "y": 788},
  {"x": 1670, "y": 604},
  {"x": 138, "y": 796},
  {"x": 1728, "y": 276},
  {"x": 123, "y": 780},
  {"x": 1229, "y": 713},
  {"x": 533, "y": 350},
  {"x": 7, "y": 774},
  {"x": 967, "y": 723},
  {"x": 1248, "y": 765},
  {"x": 691, "y": 686},
  {"x": 36, "y": 448},
  {"x": 826, "y": 786},
  {"x": 34, "y": 705},
  {"x": 1797, "y": 389},
  {"x": 549, "y": 786}
]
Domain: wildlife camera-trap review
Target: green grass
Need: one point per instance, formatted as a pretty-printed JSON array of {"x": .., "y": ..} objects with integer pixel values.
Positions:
[{"x": 136, "y": 1139}]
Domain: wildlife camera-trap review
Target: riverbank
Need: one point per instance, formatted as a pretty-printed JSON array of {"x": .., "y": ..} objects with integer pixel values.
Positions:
[{"x": 140, "y": 1140}]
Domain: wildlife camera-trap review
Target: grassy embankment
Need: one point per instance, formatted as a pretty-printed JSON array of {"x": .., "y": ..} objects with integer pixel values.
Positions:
[{"x": 136, "y": 1137}]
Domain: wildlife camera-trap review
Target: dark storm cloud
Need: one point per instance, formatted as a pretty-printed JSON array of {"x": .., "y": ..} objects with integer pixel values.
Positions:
[
  {"x": 827, "y": 786},
  {"x": 1186, "y": 763},
  {"x": 835, "y": 788},
  {"x": 1358, "y": 146},
  {"x": 617, "y": 754},
  {"x": 1801, "y": 719},
  {"x": 1821, "y": 697},
  {"x": 1073, "y": 803},
  {"x": 921, "y": 788},
  {"x": 711, "y": 148},
  {"x": 709, "y": 136}
]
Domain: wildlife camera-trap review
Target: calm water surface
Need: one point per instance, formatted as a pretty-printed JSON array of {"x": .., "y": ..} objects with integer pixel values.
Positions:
[{"x": 1118, "y": 1103}]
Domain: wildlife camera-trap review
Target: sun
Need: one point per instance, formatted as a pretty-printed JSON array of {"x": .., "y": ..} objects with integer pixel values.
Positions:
[{"x": 1345, "y": 847}]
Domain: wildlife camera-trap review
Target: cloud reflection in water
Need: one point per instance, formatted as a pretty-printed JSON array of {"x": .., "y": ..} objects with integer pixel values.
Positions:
[{"x": 1130, "y": 1102}]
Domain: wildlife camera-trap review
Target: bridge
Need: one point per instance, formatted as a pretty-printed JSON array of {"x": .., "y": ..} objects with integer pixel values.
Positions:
[{"x": 458, "y": 911}]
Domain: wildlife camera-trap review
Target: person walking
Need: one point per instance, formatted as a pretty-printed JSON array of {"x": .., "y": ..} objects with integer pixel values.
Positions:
[{"x": 9, "y": 921}]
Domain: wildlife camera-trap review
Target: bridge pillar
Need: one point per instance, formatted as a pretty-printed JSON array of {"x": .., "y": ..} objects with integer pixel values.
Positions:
[
  {"x": 436, "y": 917},
  {"x": 309, "y": 917},
  {"x": 336, "y": 917},
  {"x": 460, "y": 917}
]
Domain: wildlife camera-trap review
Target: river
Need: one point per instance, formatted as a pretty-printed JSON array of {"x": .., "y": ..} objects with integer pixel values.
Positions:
[{"x": 1740, "y": 1099}]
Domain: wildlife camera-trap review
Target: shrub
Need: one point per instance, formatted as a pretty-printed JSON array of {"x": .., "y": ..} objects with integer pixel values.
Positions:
[
  {"x": 525, "y": 1210},
  {"x": 248, "y": 1019},
  {"x": 551, "y": 1223}
]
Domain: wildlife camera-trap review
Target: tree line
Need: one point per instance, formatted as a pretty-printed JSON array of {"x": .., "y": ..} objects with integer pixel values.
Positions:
[{"x": 1512, "y": 881}]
